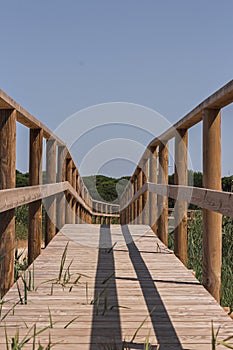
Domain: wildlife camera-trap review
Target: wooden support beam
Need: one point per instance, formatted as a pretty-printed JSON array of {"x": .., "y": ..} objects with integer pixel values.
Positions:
[
  {"x": 50, "y": 203},
  {"x": 136, "y": 202},
  {"x": 145, "y": 197},
  {"x": 7, "y": 180},
  {"x": 61, "y": 176},
  {"x": 101, "y": 211},
  {"x": 140, "y": 199},
  {"x": 74, "y": 201},
  {"x": 35, "y": 208},
  {"x": 127, "y": 208},
  {"x": 212, "y": 222},
  {"x": 69, "y": 178},
  {"x": 153, "y": 170},
  {"x": 163, "y": 200},
  {"x": 181, "y": 178},
  {"x": 132, "y": 210}
]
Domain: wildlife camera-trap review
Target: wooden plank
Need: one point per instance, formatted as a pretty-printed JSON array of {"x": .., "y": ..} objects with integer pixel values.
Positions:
[
  {"x": 212, "y": 222},
  {"x": 35, "y": 208},
  {"x": 7, "y": 180},
  {"x": 145, "y": 282}
]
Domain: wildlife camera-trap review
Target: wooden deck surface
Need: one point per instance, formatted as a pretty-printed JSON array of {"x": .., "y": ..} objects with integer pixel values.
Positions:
[{"x": 121, "y": 286}]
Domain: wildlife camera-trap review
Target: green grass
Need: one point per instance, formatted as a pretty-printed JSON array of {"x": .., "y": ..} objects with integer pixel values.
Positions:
[{"x": 195, "y": 254}]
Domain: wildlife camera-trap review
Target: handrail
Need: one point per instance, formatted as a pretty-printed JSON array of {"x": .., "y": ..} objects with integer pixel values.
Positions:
[
  {"x": 66, "y": 198},
  {"x": 147, "y": 191},
  {"x": 16, "y": 197},
  {"x": 218, "y": 201}
]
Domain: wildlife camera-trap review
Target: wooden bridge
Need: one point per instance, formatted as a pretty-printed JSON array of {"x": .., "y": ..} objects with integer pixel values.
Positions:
[{"x": 105, "y": 278}]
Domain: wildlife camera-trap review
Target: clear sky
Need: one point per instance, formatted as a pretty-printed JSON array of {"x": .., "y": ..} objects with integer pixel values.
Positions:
[{"x": 58, "y": 57}]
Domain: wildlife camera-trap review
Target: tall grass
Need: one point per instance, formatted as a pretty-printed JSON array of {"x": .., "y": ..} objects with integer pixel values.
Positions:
[{"x": 195, "y": 254}]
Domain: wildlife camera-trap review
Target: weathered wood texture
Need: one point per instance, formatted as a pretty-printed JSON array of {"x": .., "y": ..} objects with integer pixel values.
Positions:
[
  {"x": 50, "y": 203},
  {"x": 7, "y": 180},
  {"x": 153, "y": 170},
  {"x": 181, "y": 178},
  {"x": 145, "y": 197},
  {"x": 61, "y": 176},
  {"x": 35, "y": 208},
  {"x": 142, "y": 279},
  {"x": 212, "y": 222},
  {"x": 163, "y": 200}
]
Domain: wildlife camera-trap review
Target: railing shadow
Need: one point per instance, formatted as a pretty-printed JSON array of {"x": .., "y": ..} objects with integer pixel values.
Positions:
[
  {"x": 149, "y": 290},
  {"x": 106, "y": 325}
]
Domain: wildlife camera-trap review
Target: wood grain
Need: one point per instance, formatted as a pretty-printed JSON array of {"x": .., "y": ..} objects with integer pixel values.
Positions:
[
  {"x": 146, "y": 282},
  {"x": 7, "y": 180},
  {"x": 35, "y": 208}
]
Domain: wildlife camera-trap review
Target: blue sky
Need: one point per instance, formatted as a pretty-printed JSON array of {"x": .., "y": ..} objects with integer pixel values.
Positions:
[{"x": 58, "y": 57}]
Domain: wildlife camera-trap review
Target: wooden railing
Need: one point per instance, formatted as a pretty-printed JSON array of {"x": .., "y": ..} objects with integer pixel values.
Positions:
[
  {"x": 65, "y": 197},
  {"x": 148, "y": 190}
]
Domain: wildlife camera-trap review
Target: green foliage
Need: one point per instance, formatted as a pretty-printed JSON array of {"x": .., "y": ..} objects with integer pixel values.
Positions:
[
  {"x": 21, "y": 222},
  {"x": 22, "y": 180},
  {"x": 105, "y": 188},
  {"x": 20, "y": 264},
  {"x": 195, "y": 245},
  {"x": 227, "y": 183},
  {"x": 227, "y": 262},
  {"x": 195, "y": 254}
]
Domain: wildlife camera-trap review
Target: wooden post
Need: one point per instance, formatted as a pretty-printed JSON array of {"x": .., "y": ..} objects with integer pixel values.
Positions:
[
  {"x": 74, "y": 201},
  {"x": 76, "y": 216},
  {"x": 50, "y": 203},
  {"x": 81, "y": 214},
  {"x": 61, "y": 177},
  {"x": 212, "y": 222},
  {"x": 35, "y": 208},
  {"x": 132, "y": 204},
  {"x": 135, "y": 202},
  {"x": 145, "y": 197},
  {"x": 69, "y": 178},
  {"x": 162, "y": 200},
  {"x": 127, "y": 208},
  {"x": 153, "y": 170},
  {"x": 181, "y": 178},
  {"x": 7, "y": 180},
  {"x": 110, "y": 212},
  {"x": 139, "y": 204}
]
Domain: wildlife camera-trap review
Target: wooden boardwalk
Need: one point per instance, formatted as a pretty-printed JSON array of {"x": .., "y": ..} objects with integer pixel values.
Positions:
[{"x": 122, "y": 286}]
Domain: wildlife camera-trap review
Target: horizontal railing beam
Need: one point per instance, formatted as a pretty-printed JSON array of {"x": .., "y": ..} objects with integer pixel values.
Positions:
[
  {"x": 15, "y": 197},
  {"x": 25, "y": 118},
  {"x": 218, "y": 201},
  {"x": 220, "y": 99}
]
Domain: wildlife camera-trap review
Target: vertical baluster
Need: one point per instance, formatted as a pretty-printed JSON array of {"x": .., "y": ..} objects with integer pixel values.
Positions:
[
  {"x": 7, "y": 180},
  {"x": 50, "y": 203},
  {"x": 163, "y": 200},
  {"x": 35, "y": 208},
  {"x": 212, "y": 222}
]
